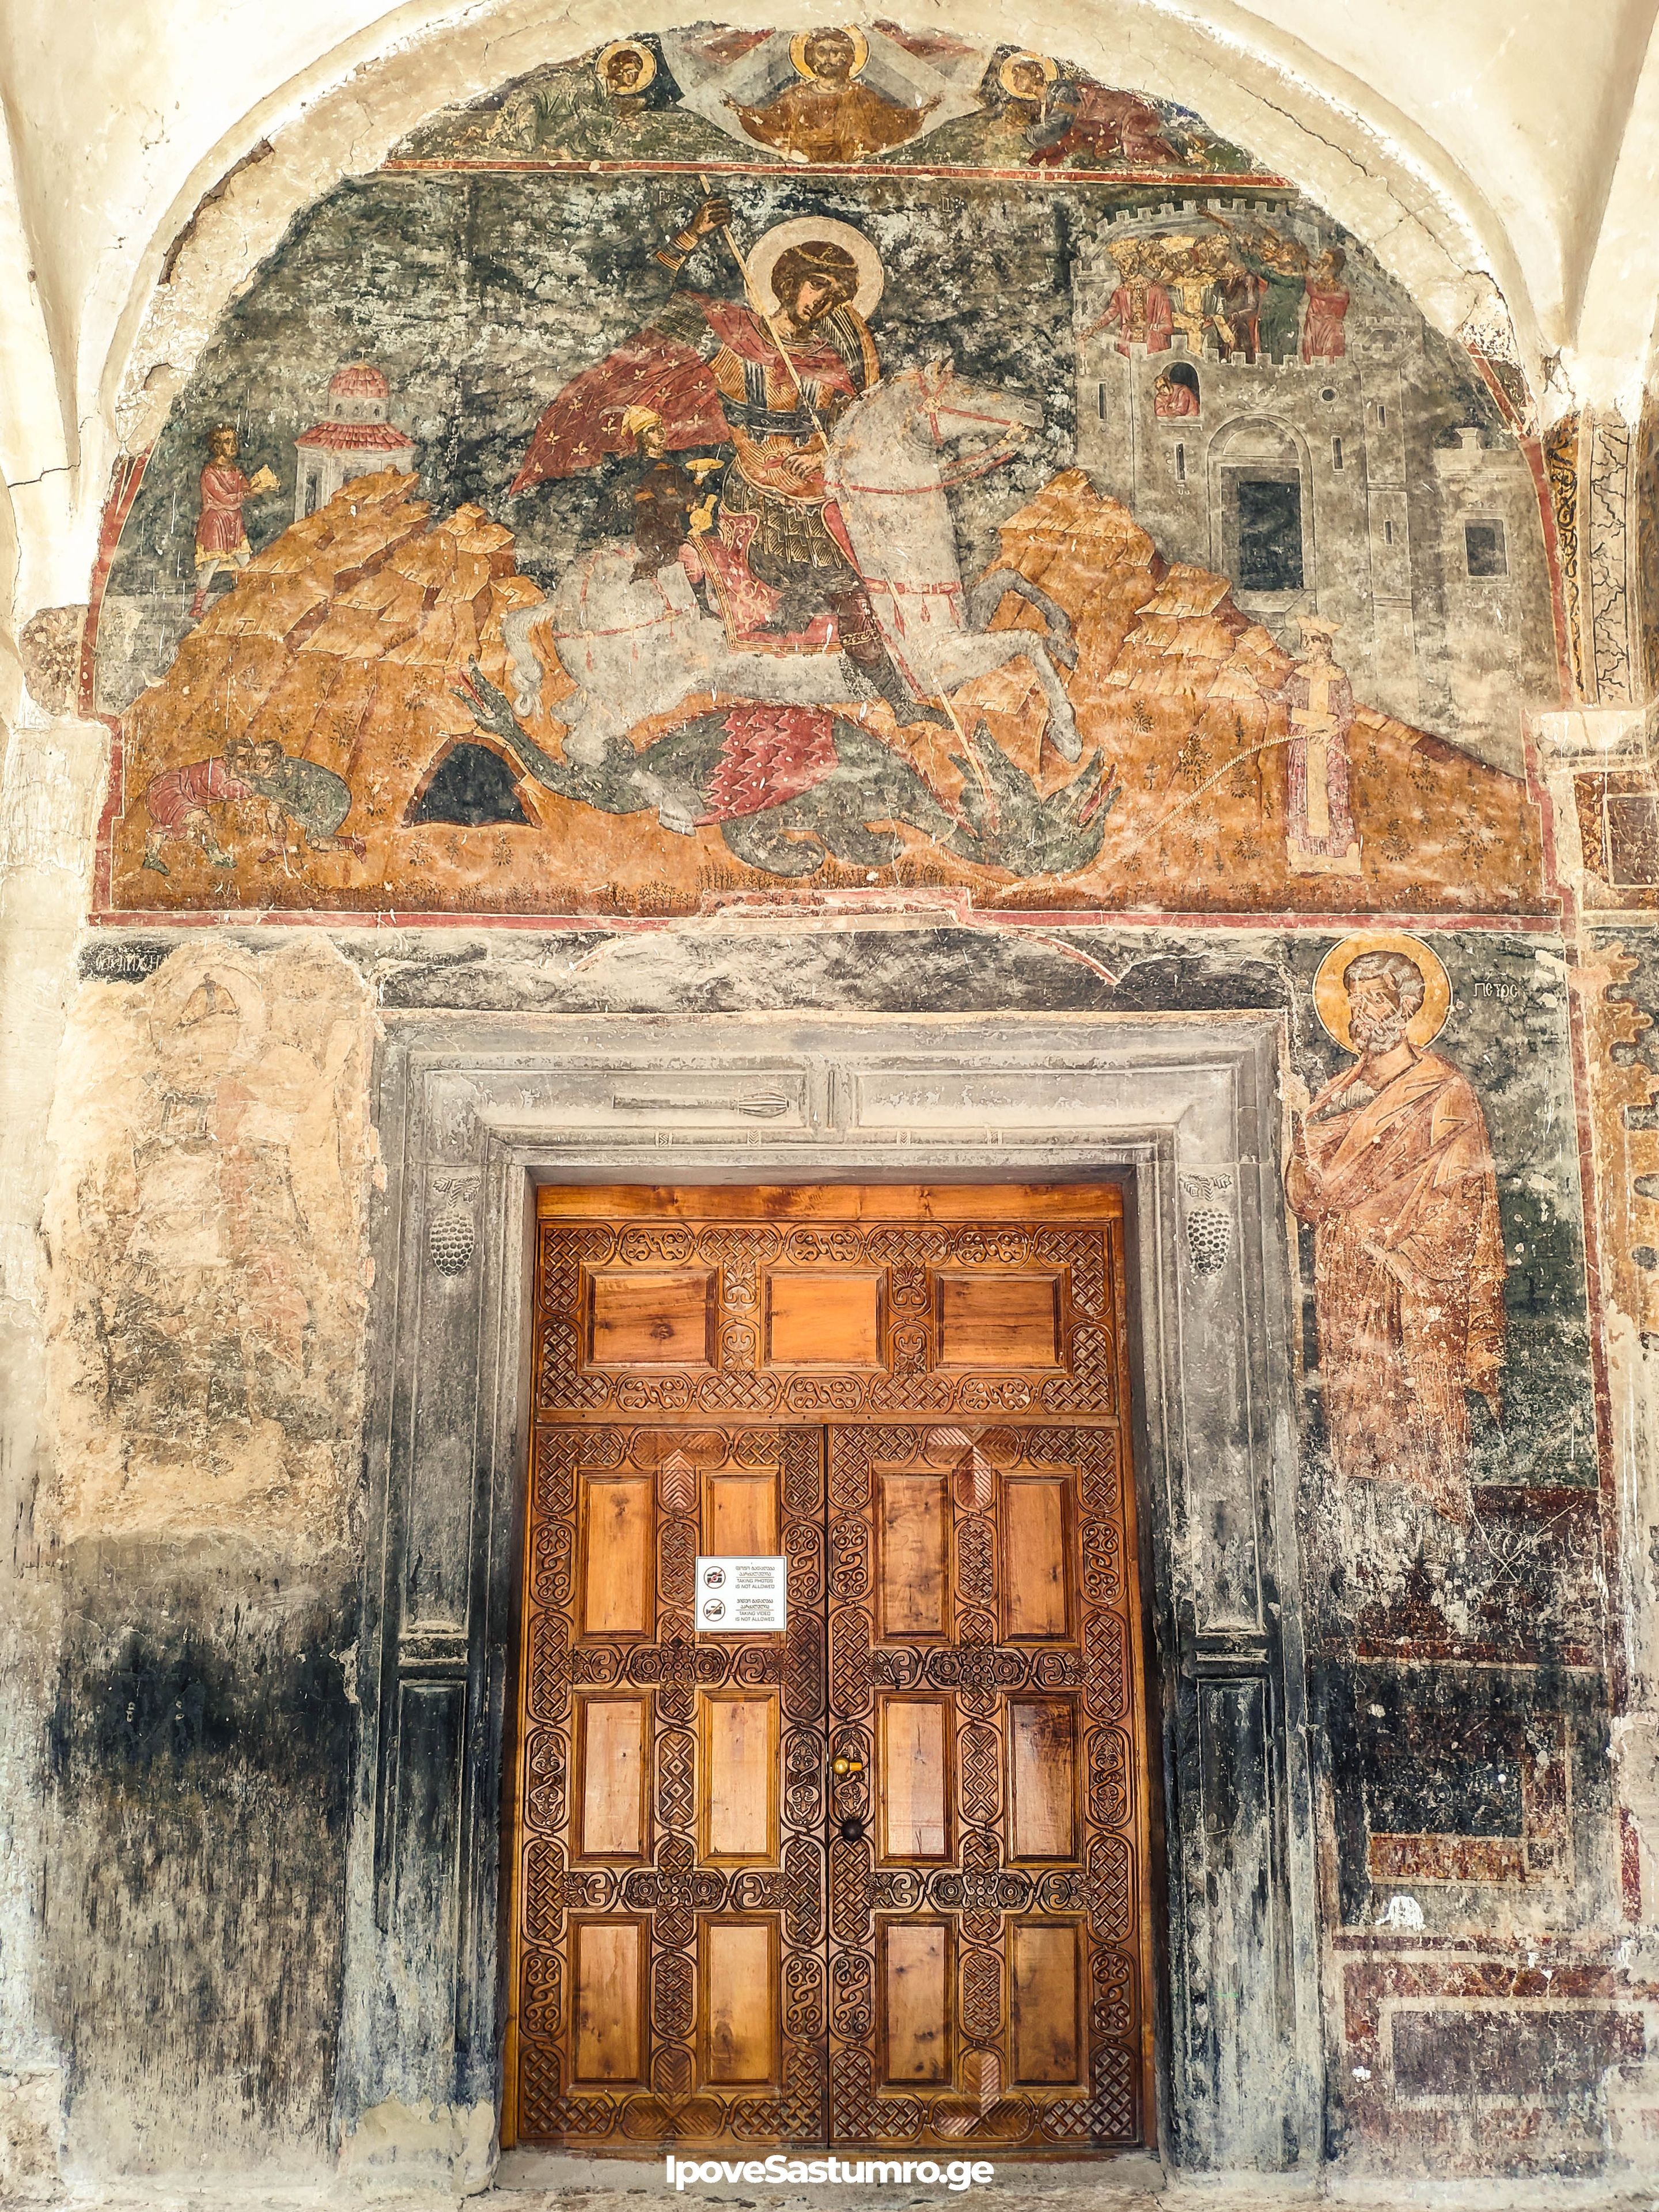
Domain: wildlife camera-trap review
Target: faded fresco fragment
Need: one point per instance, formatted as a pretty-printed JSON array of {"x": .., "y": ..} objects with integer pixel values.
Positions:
[
  {"x": 836, "y": 93},
  {"x": 207, "y": 1227},
  {"x": 659, "y": 483}
]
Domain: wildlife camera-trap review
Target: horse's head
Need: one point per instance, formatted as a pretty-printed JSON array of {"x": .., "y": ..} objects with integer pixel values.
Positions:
[{"x": 949, "y": 408}]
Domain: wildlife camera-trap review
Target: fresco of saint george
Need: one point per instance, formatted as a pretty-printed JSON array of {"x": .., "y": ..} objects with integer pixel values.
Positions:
[{"x": 1392, "y": 1165}]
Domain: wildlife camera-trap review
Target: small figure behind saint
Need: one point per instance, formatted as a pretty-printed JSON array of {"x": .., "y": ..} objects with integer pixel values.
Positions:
[
  {"x": 650, "y": 495},
  {"x": 644, "y": 493},
  {"x": 221, "y": 533}
]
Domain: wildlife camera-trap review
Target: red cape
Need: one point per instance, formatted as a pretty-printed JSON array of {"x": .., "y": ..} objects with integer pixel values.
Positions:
[{"x": 584, "y": 423}]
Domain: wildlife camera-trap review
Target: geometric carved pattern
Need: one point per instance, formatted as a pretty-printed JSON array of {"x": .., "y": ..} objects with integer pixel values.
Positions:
[
  {"x": 827, "y": 1436},
  {"x": 669, "y": 1890},
  {"x": 980, "y": 1895},
  {"x": 733, "y": 1375}
]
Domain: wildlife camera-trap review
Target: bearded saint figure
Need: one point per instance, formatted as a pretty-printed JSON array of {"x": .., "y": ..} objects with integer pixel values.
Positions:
[
  {"x": 1392, "y": 1166},
  {"x": 831, "y": 117}
]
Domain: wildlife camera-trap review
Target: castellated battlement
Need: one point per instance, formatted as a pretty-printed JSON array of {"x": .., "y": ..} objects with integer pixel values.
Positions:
[{"x": 1315, "y": 485}]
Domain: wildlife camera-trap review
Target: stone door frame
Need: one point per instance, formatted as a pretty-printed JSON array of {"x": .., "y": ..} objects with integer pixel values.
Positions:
[{"x": 472, "y": 1111}]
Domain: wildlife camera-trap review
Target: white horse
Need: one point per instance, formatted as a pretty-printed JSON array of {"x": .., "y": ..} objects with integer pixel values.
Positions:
[{"x": 638, "y": 648}]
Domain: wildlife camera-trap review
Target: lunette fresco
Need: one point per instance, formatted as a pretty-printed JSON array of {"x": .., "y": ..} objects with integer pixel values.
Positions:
[{"x": 737, "y": 463}]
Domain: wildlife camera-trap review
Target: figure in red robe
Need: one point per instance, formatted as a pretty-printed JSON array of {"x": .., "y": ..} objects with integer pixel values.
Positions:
[
  {"x": 221, "y": 533},
  {"x": 769, "y": 388},
  {"x": 1173, "y": 398},
  {"x": 1323, "y": 334},
  {"x": 177, "y": 803},
  {"x": 1140, "y": 309}
]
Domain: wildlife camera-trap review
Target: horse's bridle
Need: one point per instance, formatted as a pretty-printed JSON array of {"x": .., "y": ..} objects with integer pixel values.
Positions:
[{"x": 932, "y": 380}]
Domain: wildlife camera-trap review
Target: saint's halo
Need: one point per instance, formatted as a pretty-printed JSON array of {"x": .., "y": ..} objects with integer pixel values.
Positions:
[
  {"x": 1005, "y": 76},
  {"x": 643, "y": 55},
  {"x": 850, "y": 31},
  {"x": 818, "y": 230},
  {"x": 1331, "y": 998}
]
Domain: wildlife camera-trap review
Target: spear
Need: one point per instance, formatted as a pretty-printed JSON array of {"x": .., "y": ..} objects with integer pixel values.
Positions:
[{"x": 752, "y": 296}]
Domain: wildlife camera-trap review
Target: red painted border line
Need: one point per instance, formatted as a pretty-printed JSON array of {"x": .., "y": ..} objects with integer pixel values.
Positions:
[
  {"x": 837, "y": 922},
  {"x": 475, "y": 165}
]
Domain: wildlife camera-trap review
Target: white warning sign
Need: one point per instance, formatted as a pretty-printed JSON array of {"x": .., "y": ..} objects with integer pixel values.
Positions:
[{"x": 742, "y": 1597}]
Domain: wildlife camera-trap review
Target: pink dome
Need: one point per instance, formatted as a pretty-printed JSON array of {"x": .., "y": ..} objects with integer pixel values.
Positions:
[{"x": 358, "y": 379}]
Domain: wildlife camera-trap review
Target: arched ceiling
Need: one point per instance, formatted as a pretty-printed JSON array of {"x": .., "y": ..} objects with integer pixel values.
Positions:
[{"x": 1505, "y": 143}]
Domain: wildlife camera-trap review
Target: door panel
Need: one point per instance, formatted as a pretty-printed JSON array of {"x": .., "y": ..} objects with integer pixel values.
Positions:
[
  {"x": 740, "y": 1514},
  {"x": 1042, "y": 1780},
  {"x": 613, "y": 1767},
  {"x": 607, "y": 1975},
  {"x": 916, "y": 1987},
  {"x": 738, "y": 1960},
  {"x": 617, "y": 1573},
  {"x": 913, "y": 1761},
  {"x": 913, "y": 1584},
  {"x": 1045, "y": 1960},
  {"x": 1042, "y": 1875},
  {"x": 737, "y": 1777},
  {"x": 670, "y": 1802},
  {"x": 881, "y": 1880}
]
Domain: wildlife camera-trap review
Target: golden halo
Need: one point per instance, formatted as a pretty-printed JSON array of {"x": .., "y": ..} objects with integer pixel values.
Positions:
[
  {"x": 805, "y": 230},
  {"x": 860, "y": 48},
  {"x": 1050, "y": 71},
  {"x": 647, "y": 61},
  {"x": 1331, "y": 998}
]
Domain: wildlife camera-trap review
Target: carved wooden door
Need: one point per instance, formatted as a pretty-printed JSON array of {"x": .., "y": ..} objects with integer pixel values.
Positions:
[{"x": 881, "y": 1879}]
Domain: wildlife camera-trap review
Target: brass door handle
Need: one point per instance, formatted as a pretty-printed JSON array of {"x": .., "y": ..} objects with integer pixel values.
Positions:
[{"x": 843, "y": 1766}]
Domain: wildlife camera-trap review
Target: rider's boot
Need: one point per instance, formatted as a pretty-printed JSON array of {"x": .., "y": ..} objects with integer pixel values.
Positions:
[{"x": 862, "y": 642}]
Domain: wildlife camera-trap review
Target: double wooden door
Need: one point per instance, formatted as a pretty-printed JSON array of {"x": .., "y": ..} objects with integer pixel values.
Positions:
[{"x": 880, "y": 1879}]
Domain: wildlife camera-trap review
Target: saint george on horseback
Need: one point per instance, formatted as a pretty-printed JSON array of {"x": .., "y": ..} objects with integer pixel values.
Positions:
[{"x": 768, "y": 377}]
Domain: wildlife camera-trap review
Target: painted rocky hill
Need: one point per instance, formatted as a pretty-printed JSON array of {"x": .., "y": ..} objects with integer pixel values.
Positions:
[{"x": 343, "y": 640}]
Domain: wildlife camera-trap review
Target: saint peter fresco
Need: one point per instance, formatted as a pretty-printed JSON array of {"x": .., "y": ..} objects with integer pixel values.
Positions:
[{"x": 1392, "y": 1166}]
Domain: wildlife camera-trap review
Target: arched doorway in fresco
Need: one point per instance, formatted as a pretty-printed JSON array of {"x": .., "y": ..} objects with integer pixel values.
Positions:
[{"x": 1261, "y": 503}]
